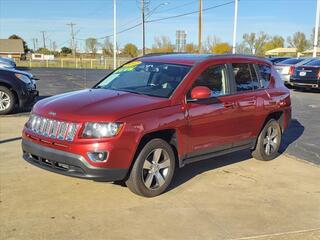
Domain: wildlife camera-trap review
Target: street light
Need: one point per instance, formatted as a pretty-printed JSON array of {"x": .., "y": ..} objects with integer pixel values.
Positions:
[{"x": 144, "y": 20}]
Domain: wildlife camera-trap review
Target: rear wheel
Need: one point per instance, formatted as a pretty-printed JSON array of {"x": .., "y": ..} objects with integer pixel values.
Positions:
[
  {"x": 7, "y": 100},
  {"x": 268, "y": 142},
  {"x": 153, "y": 169}
]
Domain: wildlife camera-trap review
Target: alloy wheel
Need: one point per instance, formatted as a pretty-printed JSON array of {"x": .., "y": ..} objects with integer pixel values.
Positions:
[
  {"x": 156, "y": 168},
  {"x": 271, "y": 140},
  {"x": 4, "y": 101}
]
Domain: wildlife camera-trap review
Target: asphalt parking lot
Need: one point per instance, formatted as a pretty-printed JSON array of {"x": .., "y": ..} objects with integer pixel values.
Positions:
[{"x": 229, "y": 197}]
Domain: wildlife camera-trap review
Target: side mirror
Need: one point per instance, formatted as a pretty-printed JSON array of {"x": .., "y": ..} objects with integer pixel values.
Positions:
[{"x": 200, "y": 92}]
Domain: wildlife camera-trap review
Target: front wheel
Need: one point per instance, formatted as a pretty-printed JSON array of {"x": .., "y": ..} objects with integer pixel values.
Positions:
[
  {"x": 7, "y": 100},
  {"x": 153, "y": 169},
  {"x": 268, "y": 142}
]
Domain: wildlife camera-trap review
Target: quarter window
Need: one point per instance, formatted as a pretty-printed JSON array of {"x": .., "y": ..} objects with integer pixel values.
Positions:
[
  {"x": 265, "y": 74},
  {"x": 214, "y": 78}
]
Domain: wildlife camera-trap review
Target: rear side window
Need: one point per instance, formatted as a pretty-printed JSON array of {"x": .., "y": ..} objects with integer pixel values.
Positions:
[
  {"x": 265, "y": 73},
  {"x": 242, "y": 76},
  {"x": 254, "y": 77}
]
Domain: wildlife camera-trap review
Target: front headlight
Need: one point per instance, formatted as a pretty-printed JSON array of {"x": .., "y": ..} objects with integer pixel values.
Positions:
[
  {"x": 23, "y": 78},
  {"x": 100, "y": 129}
]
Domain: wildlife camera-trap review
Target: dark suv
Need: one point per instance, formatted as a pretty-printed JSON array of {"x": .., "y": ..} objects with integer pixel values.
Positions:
[
  {"x": 17, "y": 89},
  {"x": 159, "y": 112}
]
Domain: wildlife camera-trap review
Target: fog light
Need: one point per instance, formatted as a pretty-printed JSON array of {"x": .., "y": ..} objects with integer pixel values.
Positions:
[{"x": 98, "y": 156}]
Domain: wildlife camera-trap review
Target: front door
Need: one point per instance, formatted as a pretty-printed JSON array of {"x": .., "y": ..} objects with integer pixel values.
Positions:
[{"x": 211, "y": 121}]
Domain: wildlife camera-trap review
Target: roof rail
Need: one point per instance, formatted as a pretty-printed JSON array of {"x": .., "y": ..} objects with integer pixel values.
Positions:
[{"x": 162, "y": 53}]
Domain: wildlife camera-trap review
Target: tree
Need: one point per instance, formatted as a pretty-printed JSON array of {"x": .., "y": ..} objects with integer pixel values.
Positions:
[
  {"x": 210, "y": 42},
  {"x": 44, "y": 51},
  {"x": 242, "y": 48},
  {"x": 25, "y": 46},
  {"x": 221, "y": 48},
  {"x": 162, "y": 44},
  {"x": 91, "y": 45},
  {"x": 274, "y": 42},
  {"x": 66, "y": 50},
  {"x": 299, "y": 41},
  {"x": 256, "y": 42},
  {"x": 191, "y": 48},
  {"x": 312, "y": 37},
  {"x": 107, "y": 47},
  {"x": 130, "y": 50}
]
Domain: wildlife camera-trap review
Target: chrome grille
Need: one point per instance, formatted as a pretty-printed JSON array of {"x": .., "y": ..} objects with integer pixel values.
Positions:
[{"x": 52, "y": 128}]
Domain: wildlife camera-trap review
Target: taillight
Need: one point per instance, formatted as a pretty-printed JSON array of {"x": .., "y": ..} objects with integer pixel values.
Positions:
[{"x": 291, "y": 70}]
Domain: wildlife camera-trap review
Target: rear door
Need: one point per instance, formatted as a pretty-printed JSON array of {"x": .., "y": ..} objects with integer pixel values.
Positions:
[{"x": 249, "y": 95}]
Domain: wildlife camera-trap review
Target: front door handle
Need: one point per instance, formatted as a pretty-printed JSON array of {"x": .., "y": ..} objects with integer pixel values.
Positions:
[{"x": 229, "y": 104}]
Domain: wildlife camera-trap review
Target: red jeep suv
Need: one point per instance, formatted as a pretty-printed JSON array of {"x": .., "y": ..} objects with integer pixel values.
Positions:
[{"x": 159, "y": 112}]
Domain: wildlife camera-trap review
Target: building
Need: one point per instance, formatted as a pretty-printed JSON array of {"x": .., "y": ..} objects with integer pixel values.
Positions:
[
  {"x": 12, "y": 48},
  {"x": 181, "y": 37},
  {"x": 282, "y": 52}
]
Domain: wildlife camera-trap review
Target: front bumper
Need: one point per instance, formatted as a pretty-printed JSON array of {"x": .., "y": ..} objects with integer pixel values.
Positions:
[
  {"x": 68, "y": 163},
  {"x": 28, "y": 97}
]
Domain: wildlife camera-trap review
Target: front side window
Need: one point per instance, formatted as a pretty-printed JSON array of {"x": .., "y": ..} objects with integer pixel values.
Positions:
[
  {"x": 265, "y": 73},
  {"x": 242, "y": 76},
  {"x": 148, "y": 78},
  {"x": 213, "y": 78}
]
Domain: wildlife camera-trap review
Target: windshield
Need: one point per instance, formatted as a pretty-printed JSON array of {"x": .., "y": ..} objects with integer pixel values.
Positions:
[
  {"x": 148, "y": 78},
  {"x": 291, "y": 61}
]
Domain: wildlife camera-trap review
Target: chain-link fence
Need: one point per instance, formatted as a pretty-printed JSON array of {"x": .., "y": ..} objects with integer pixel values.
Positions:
[{"x": 78, "y": 63}]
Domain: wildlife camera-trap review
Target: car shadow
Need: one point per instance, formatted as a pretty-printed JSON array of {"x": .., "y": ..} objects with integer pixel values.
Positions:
[
  {"x": 190, "y": 171},
  {"x": 26, "y": 110},
  {"x": 291, "y": 134}
]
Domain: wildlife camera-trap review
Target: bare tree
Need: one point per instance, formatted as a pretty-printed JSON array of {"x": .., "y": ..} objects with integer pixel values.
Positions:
[
  {"x": 299, "y": 41},
  {"x": 210, "y": 42},
  {"x": 162, "y": 44},
  {"x": 256, "y": 42},
  {"x": 92, "y": 45}
]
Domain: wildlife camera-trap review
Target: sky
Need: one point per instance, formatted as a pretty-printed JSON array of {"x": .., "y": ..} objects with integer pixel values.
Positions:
[{"x": 94, "y": 18}]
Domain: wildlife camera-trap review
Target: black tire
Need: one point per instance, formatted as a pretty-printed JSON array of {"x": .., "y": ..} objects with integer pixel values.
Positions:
[
  {"x": 144, "y": 169},
  {"x": 268, "y": 140},
  {"x": 7, "y": 100}
]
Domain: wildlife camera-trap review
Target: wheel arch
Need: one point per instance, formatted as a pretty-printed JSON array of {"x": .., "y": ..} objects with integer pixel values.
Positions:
[
  {"x": 7, "y": 85},
  {"x": 168, "y": 135}
]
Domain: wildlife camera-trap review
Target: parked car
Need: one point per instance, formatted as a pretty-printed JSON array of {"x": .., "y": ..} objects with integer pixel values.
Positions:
[
  {"x": 286, "y": 68},
  {"x": 17, "y": 88},
  {"x": 276, "y": 60},
  {"x": 7, "y": 63},
  {"x": 307, "y": 76},
  {"x": 158, "y": 112}
]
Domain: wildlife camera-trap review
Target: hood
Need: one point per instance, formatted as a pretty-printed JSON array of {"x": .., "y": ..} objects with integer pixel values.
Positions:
[
  {"x": 97, "y": 105},
  {"x": 13, "y": 70}
]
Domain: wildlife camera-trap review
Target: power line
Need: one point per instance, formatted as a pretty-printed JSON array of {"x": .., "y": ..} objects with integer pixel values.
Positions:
[
  {"x": 72, "y": 38},
  {"x": 165, "y": 18},
  {"x": 189, "y": 13}
]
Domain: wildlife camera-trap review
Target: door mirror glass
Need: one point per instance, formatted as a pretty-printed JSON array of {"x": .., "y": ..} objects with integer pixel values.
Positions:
[{"x": 200, "y": 92}]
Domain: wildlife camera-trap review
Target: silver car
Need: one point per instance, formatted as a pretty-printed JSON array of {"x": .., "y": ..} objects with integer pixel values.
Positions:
[{"x": 286, "y": 67}]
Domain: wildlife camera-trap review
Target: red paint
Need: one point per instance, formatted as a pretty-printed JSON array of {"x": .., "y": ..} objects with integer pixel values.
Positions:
[
  {"x": 200, "y": 93},
  {"x": 235, "y": 117}
]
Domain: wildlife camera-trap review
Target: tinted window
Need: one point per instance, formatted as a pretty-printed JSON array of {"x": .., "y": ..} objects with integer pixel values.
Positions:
[
  {"x": 291, "y": 61},
  {"x": 313, "y": 63},
  {"x": 265, "y": 73},
  {"x": 214, "y": 78},
  {"x": 242, "y": 76}
]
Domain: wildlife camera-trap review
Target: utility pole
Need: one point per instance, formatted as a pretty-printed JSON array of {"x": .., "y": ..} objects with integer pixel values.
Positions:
[
  {"x": 114, "y": 34},
  {"x": 316, "y": 30},
  {"x": 235, "y": 26},
  {"x": 43, "y": 38},
  {"x": 34, "y": 44},
  {"x": 73, "y": 45},
  {"x": 143, "y": 27},
  {"x": 200, "y": 27}
]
